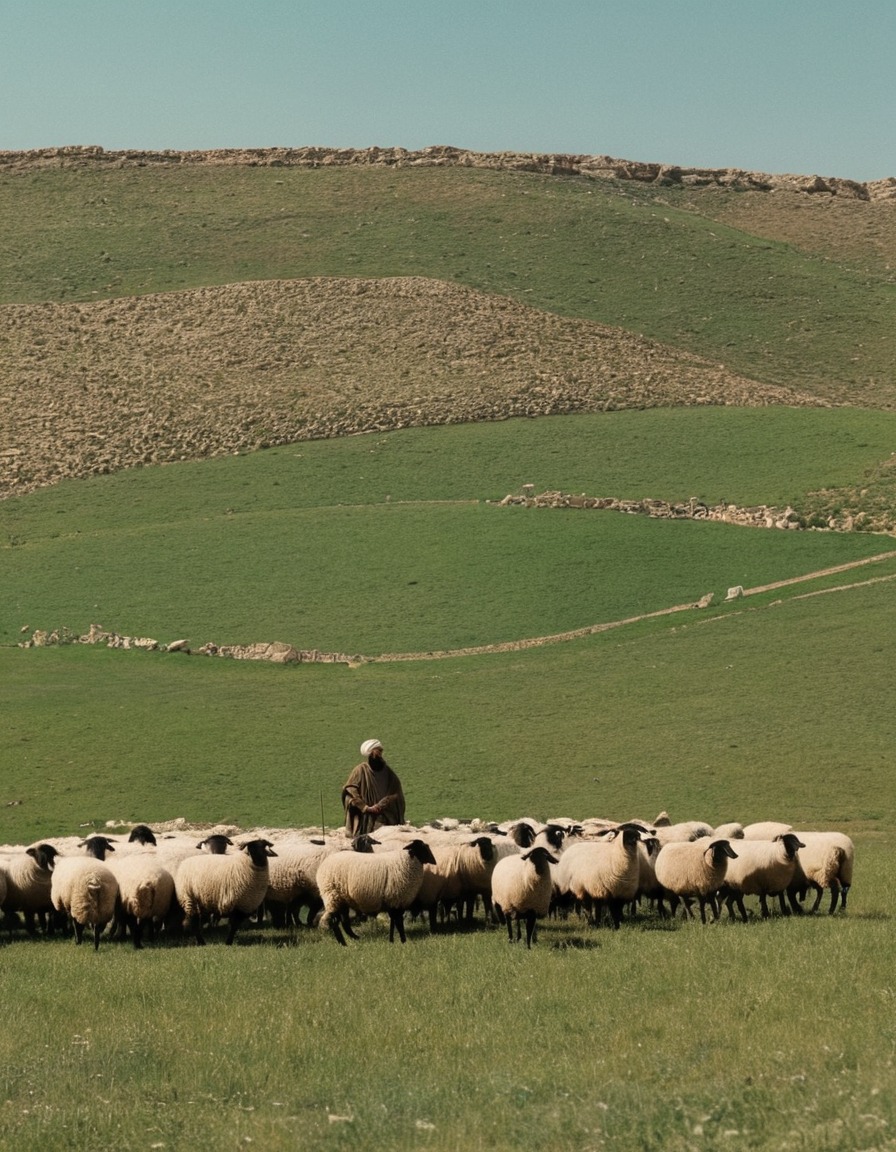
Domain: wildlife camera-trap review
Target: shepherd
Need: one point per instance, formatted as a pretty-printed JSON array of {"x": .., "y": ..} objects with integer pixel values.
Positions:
[{"x": 372, "y": 795}]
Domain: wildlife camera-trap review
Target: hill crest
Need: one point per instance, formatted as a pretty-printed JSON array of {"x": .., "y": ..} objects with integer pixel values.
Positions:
[{"x": 599, "y": 167}]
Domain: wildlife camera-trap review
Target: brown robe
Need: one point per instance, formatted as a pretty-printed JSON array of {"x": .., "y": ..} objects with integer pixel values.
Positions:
[{"x": 365, "y": 787}]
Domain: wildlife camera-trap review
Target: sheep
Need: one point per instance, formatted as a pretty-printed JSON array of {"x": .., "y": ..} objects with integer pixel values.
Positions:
[
  {"x": 145, "y": 893},
  {"x": 648, "y": 885},
  {"x": 766, "y": 830},
  {"x": 825, "y": 861},
  {"x": 460, "y": 873},
  {"x": 762, "y": 868},
  {"x": 85, "y": 888},
  {"x": 28, "y": 874},
  {"x": 603, "y": 871},
  {"x": 522, "y": 886},
  {"x": 683, "y": 831},
  {"x": 216, "y": 843},
  {"x": 732, "y": 831},
  {"x": 224, "y": 885},
  {"x": 370, "y": 884},
  {"x": 173, "y": 850},
  {"x": 292, "y": 880},
  {"x": 692, "y": 869}
]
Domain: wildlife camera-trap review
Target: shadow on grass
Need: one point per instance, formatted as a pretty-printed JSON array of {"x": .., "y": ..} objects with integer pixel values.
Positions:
[{"x": 578, "y": 942}]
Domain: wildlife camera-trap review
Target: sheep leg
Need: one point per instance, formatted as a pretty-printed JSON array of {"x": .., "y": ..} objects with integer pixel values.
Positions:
[
  {"x": 615, "y": 907},
  {"x": 193, "y": 924},
  {"x": 835, "y": 891},
  {"x": 763, "y": 904},
  {"x": 97, "y": 932},
  {"x": 819, "y": 892},
  {"x": 508, "y": 920},
  {"x": 236, "y": 918},
  {"x": 79, "y": 931},
  {"x": 530, "y": 928},
  {"x": 136, "y": 931},
  {"x": 331, "y": 920},
  {"x": 843, "y": 890},
  {"x": 396, "y": 920}
]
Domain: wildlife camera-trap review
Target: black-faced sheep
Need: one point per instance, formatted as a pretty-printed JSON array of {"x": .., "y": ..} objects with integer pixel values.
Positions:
[
  {"x": 29, "y": 875},
  {"x": 603, "y": 872},
  {"x": 370, "y": 883},
  {"x": 85, "y": 889},
  {"x": 763, "y": 868},
  {"x": 694, "y": 869},
  {"x": 223, "y": 885},
  {"x": 522, "y": 887},
  {"x": 825, "y": 861}
]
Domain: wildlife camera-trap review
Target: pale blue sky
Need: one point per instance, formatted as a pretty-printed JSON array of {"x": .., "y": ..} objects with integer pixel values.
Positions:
[{"x": 802, "y": 86}]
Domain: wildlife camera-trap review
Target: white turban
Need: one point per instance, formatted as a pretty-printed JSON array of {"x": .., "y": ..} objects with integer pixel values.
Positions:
[{"x": 368, "y": 746}]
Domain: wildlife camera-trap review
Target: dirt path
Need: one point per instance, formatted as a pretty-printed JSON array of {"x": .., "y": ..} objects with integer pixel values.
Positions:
[{"x": 593, "y": 629}]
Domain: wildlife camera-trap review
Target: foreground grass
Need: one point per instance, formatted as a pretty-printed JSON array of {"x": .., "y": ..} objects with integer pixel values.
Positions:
[{"x": 656, "y": 1037}]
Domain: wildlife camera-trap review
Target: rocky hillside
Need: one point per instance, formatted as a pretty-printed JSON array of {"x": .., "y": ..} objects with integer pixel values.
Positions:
[
  {"x": 91, "y": 388},
  {"x": 554, "y": 164}
]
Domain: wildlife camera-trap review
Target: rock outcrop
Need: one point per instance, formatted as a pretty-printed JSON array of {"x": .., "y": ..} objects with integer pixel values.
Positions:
[{"x": 551, "y": 164}]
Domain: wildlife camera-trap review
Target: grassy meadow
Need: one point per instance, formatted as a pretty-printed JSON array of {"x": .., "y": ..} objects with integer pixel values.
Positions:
[
  {"x": 680, "y": 1036},
  {"x": 662, "y": 1037}
]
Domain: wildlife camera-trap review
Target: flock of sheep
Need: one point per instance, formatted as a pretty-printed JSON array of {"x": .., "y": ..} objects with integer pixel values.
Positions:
[{"x": 517, "y": 872}]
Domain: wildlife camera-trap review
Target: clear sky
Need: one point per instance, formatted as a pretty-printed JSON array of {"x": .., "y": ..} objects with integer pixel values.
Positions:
[{"x": 802, "y": 86}]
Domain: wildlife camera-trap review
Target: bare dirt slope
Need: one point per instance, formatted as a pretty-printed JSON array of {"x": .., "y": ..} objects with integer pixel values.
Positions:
[{"x": 89, "y": 388}]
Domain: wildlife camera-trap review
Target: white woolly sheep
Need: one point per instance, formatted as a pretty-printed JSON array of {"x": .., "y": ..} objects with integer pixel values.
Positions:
[
  {"x": 85, "y": 888},
  {"x": 522, "y": 887},
  {"x": 145, "y": 893},
  {"x": 762, "y": 868},
  {"x": 173, "y": 850},
  {"x": 602, "y": 872},
  {"x": 460, "y": 874},
  {"x": 685, "y": 830},
  {"x": 766, "y": 830},
  {"x": 825, "y": 861},
  {"x": 29, "y": 875},
  {"x": 292, "y": 882},
  {"x": 694, "y": 869},
  {"x": 223, "y": 885},
  {"x": 370, "y": 883},
  {"x": 732, "y": 831}
]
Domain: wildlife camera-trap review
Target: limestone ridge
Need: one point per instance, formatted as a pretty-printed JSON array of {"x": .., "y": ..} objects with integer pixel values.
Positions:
[{"x": 597, "y": 167}]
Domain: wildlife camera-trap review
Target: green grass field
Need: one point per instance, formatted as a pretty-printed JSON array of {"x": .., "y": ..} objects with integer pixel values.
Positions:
[
  {"x": 663, "y": 1037},
  {"x": 649, "y": 1038},
  {"x": 386, "y": 543}
]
